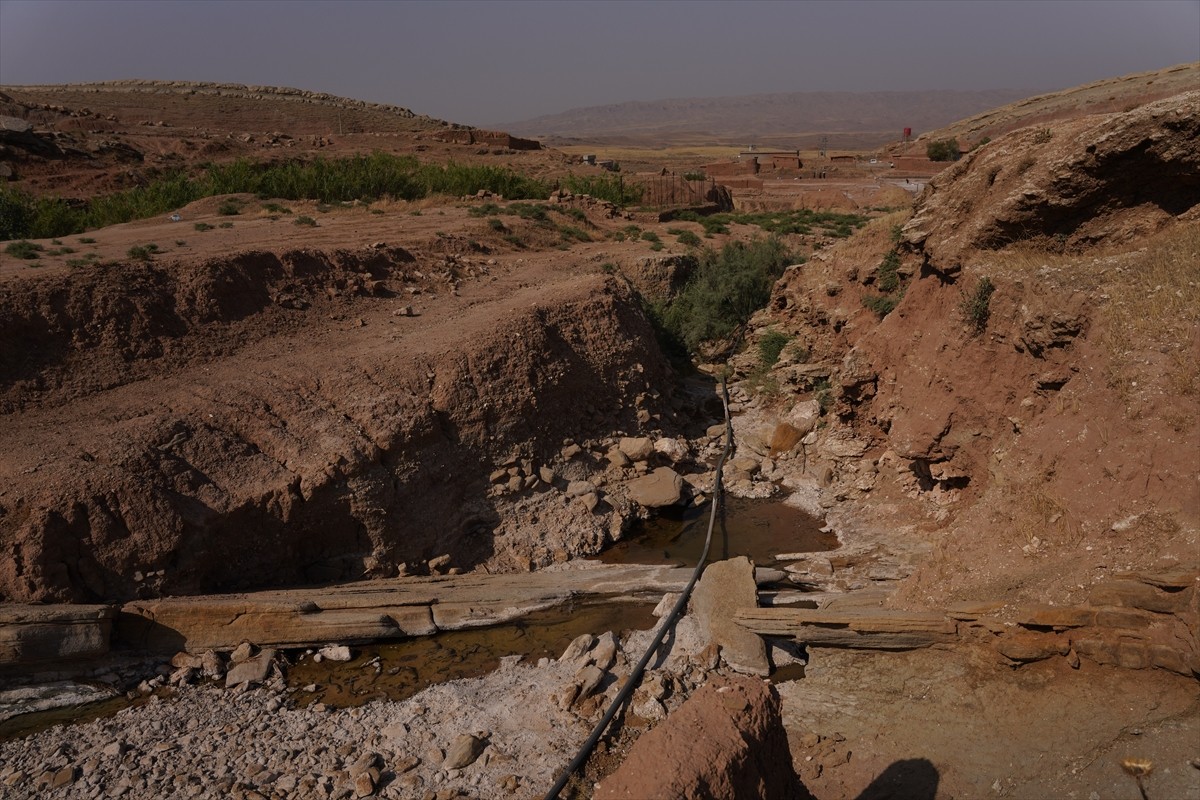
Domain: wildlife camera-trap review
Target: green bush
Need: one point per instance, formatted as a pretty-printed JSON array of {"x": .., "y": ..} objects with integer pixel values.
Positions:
[
  {"x": 650, "y": 236},
  {"x": 305, "y": 220},
  {"x": 726, "y": 288},
  {"x": 943, "y": 150},
  {"x": 24, "y": 249},
  {"x": 143, "y": 252},
  {"x": 888, "y": 272},
  {"x": 604, "y": 187},
  {"x": 695, "y": 176},
  {"x": 770, "y": 345},
  {"x": 880, "y": 304},
  {"x": 976, "y": 305},
  {"x": 688, "y": 239},
  {"x": 230, "y": 208},
  {"x": 496, "y": 224}
]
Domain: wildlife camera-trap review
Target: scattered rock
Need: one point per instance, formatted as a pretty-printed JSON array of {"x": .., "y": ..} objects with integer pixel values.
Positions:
[
  {"x": 663, "y": 487},
  {"x": 463, "y": 752}
]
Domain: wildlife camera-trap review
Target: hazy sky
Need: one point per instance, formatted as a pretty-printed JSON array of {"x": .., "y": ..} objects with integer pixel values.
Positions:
[{"x": 497, "y": 61}]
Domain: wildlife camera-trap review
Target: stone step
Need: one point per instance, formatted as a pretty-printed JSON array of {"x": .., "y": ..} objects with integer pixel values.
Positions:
[
  {"x": 31, "y": 634},
  {"x": 859, "y": 628},
  {"x": 375, "y": 610}
]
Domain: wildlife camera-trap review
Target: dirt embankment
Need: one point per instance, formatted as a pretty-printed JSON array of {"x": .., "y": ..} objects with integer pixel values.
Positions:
[
  {"x": 1032, "y": 396},
  {"x": 283, "y": 417}
]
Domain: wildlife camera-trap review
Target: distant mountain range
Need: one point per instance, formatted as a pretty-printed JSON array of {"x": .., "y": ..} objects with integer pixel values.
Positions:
[{"x": 798, "y": 119}]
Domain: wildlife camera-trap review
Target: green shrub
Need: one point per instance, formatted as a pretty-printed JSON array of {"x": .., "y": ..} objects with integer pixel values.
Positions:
[
  {"x": 305, "y": 220},
  {"x": 143, "y": 252},
  {"x": 229, "y": 208},
  {"x": 496, "y": 224},
  {"x": 202, "y": 227},
  {"x": 880, "y": 304},
  {"x": 570, "y": 232},
  {"x": 976, "y": 305},
  {"x": 688, "y": 239},
  {"x": 943, "y": 150},
  {"x": 86, "y": 240},
  {"x": 888, "y": 275},
  {"x": 824, "y": 395},
  {"x": 485, "y": 210},
  {"x": 695, "y": 176},
  {"x": 225, "y": 225},
  {"x": 650, "y": 236},
  {"x": 24, "y": 249},
  {"x": 657, "y": 246},
  {"x": 726, "y": 288},
  {"x": 604, "y": 187},
  {"x": 770, "y": 345},
  {"x": 276, "y": 208}
]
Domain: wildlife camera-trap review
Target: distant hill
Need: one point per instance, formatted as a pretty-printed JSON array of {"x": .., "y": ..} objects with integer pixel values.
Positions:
[{"x": 798, "y": 119}]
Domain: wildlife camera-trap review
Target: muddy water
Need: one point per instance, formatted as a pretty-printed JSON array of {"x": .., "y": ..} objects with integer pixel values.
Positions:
[
  {"x": 754, "y": 528},
  {"x": 398, "y": 671}
]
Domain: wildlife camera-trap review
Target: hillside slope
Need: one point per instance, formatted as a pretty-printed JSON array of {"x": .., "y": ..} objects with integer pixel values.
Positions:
[{"x": 1032, "y": 398}]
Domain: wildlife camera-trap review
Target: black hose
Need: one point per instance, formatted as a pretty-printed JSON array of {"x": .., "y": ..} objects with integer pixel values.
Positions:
[{"x": 635, "y": 676}]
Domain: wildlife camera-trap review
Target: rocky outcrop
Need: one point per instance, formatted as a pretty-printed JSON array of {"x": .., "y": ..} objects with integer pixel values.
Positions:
[
  {"x": 727, "y": 741},
  {"x": 1107, "y": 178}
]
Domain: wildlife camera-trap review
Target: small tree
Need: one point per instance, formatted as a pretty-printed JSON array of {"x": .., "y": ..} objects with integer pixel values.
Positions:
[{"x": 943, "y": 150}]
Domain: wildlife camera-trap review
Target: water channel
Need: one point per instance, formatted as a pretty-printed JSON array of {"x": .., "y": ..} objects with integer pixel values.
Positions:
[{"x": 398, "y": 670}]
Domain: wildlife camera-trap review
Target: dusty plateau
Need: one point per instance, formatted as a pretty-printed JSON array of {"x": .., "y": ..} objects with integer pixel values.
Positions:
[{"x": 287, "y": 434}]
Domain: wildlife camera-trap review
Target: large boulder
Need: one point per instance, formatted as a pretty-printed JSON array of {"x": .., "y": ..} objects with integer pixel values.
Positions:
[
  {"x": 726, "y": 588},
  {"x": 727, "y": 741}
]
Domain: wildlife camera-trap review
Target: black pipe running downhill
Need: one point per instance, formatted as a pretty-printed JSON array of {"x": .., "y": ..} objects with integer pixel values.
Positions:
[{"x": 635, "y": 676}]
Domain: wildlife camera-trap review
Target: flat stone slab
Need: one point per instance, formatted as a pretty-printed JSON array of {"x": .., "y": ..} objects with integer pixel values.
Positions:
[
  {"x": 865, "y": 628},
  {"x": 33, "y": 634},
  {"x": 374, "y": 610}
]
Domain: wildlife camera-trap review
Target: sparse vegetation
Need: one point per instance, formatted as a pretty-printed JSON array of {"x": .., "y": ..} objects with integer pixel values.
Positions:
[
  {"x": 770, "y": 346},
  {"x": 86, "y": 260},
  {"x": 202, "y": 227},
  {"x": 650, "y": 236},
  {"x": 572, "y": 233},
  {"x": 276, "y": 208},
  {"x": 688, "y": 239},
  {"x": 1042, "y": 136},
  {"x": 612, "y": 188},
  {"x": 326, "y": 180},
  {"x": 695, "y": 176},
  {"x": 882, "y": 305},
  {"x": 976, "y": 304},
  {"x": 230, "y": 208},
  {"x": 225, "y": 225},
  {"x": 143, "y": 252},
  {"x": 496, "y": 224},
  {"x": 801, "y": 221},
  {"x": 86, "y": 240},
  {"x": 24, "y": 249}
]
